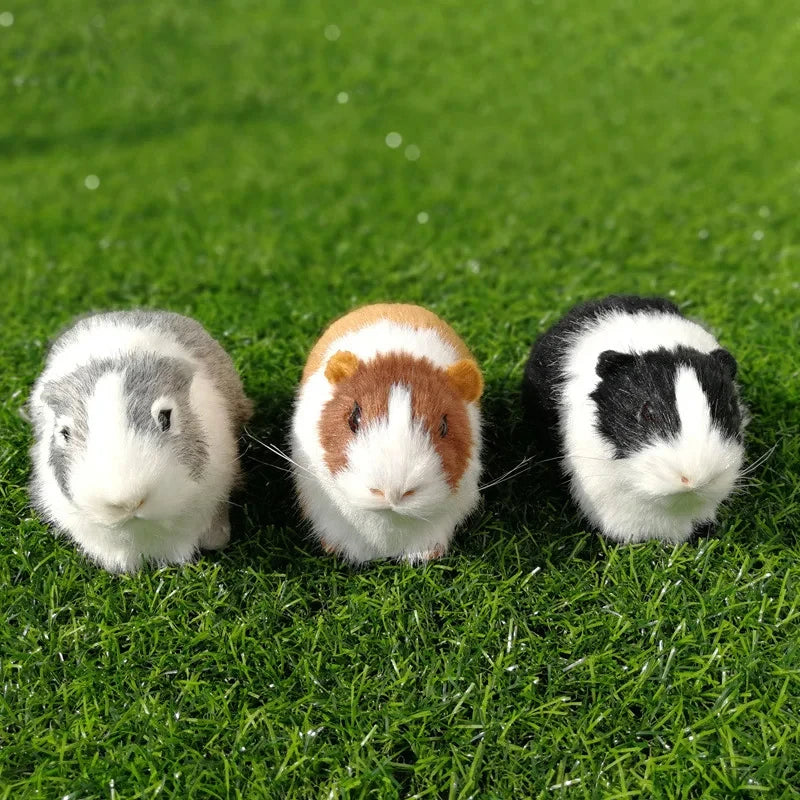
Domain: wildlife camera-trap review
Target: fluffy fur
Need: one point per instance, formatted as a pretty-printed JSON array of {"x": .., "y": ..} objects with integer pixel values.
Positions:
[
  {"x": 136, "y": 419},
  {"x": 642, "y": 405},
  {"x": 386, "y": 487}
]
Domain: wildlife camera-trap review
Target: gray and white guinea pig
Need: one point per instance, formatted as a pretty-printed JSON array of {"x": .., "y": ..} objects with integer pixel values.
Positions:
[
  {"x": 136, "y": 420},
  {"x": 642, "y": 405},
  {"x": 386, "y": 434}
]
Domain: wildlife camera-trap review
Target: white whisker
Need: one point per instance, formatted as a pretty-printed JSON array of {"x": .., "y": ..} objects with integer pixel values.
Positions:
[
  {"x": 278, "y": 452},
  {"x": 275, "y": 450},
  {"x": 523, "y": 466},
  {"x": 758, "y": 462}
]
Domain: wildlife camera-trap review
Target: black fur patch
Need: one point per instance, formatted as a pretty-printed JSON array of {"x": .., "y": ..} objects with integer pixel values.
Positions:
[
  {"x": 716, "y": 373},
  {"x": 635, "y": 398},
  {"x": 543, "y": 378}
]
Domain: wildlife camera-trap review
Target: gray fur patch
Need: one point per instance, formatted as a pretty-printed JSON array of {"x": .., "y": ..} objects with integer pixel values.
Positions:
[
  {"x": 146, "y": 378},
  {"x": 67, "y": 397},
  {"x": 190, "y": 334}
]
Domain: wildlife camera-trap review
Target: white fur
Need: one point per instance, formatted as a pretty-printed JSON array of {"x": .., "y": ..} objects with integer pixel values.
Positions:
[
  {"x": 132, "y": 501},
  {"x": 643, "y": 497},
  {"x": 393, "y": 456}
]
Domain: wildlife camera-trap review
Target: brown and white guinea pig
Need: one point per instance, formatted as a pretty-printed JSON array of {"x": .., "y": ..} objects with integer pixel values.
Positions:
[
  {"x": 136, "y": 418},
  {"x": 386, "y": 434},
  {"x": 643, "y": 407}
]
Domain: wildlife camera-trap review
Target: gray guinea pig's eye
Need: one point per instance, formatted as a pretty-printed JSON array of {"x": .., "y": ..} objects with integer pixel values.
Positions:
[
  {"x": 65, "y": 433},
  {"x": 165, "y": 418}
]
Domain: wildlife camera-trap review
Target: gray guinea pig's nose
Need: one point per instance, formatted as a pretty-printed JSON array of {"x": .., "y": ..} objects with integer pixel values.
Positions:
[{"x": 129, "y": 506}]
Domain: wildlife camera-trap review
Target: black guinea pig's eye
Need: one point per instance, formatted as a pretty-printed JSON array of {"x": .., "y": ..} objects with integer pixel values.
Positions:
[
  {"x": 165, "y": 418},
  {"x": 646, "y": 413},
  {"x": 354, "y": 420},
  {"x": 443, "y": 427}
]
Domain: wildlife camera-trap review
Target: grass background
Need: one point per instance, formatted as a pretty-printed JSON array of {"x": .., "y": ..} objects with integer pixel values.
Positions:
[{"x": 566, "y": 150}]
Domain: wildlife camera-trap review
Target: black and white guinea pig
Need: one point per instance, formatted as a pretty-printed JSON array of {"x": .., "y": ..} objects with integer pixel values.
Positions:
[
  {"x": 643, "y": 407},
  {"x": 386, "y": 439},
  {"x": 136, "y": 419}
]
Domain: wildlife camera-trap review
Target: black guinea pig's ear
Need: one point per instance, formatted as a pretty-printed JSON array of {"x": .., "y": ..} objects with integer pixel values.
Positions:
[
  {"x": 726, "y": 361},
  {"x": 610, "y": 362}
]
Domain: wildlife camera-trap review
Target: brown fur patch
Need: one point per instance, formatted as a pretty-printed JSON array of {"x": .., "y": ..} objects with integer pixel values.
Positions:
[
  {"x": 433, "y": 395},
  {"x": 402, "y": 313},
  {"x": 342, "y": 364}
]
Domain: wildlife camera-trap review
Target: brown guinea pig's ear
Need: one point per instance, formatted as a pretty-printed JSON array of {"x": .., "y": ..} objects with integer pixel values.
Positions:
[
  {"x": 467, "y": 379},
  {"x": 341, "y": 365}
]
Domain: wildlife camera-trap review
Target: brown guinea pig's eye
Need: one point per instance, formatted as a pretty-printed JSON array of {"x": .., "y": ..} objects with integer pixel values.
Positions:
[
  {"x": 355, "y": 418},
  {"x": 443, "y": 427}
]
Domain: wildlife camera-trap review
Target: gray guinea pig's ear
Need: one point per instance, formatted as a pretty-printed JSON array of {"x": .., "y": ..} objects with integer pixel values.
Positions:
[
  {"x": 609, "y": 362},
  {"x": 726, "y": 361},
  {"x": 50, "y": 393},
  {"x": 184, "y": 372}
]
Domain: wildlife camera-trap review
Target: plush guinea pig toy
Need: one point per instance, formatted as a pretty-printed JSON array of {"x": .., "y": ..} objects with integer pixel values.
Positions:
[
  {"x": 137, "y": 416},
  {"x": 644, "y": 409},
  {"x": 386, "y": 434}
]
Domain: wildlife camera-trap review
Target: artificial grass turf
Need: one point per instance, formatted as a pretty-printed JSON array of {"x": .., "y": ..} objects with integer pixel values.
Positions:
[{"x": 567, "y": 151}]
